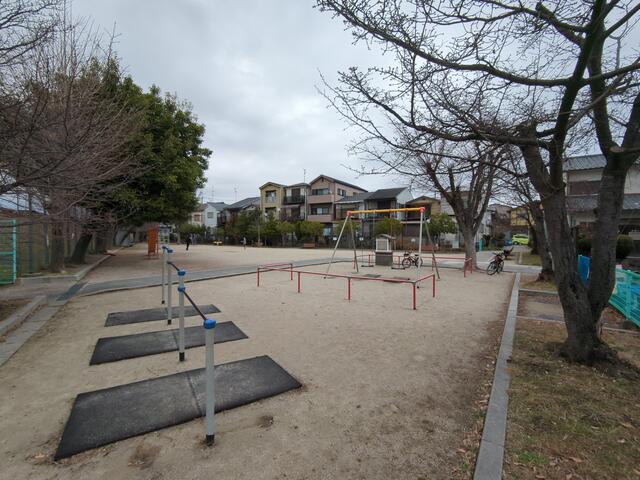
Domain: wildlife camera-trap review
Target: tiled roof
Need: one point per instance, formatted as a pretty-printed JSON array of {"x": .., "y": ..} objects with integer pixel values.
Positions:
[
  {"x": 244, "y": 203},
  {"x": 217, "y": 205},
  {"x": 584, "y": 162},
  {"x": 358, "y": 197},
  {"x": 386, "y": 193},
  {"x": 422, "y": 199},
  {"x": 587, "y": 203},
  {"x": 335, "y": 180}
]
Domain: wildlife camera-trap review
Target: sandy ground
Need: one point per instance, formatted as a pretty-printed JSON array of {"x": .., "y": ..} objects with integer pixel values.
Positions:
[
  {"x": 386, "y": 389},
  {"x": 133, "y": 262}
]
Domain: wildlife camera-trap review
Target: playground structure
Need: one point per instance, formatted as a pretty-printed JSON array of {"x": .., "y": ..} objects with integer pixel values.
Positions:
[
  {"x": 467, "y": 267},
  {"x": 348, "y": 220},
  {"x": 288, "y": 267},
  {"x": 209, "y": 325},
  {"x": 152, "y": 242}
]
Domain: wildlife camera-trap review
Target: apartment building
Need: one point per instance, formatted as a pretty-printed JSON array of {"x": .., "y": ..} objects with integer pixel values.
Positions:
[
  {"x": 324, "y": 192},
  {"x": 582, "y": 177},
  {"x": 271, "y": 195},
  {"x": 294, "y": 202}
]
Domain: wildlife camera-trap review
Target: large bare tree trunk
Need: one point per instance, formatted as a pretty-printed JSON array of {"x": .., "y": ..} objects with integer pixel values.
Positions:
[
  {"x": 470, "y": 245},
  {"x": 583, "y": 337},
  {"x": 546, "y": 273}
]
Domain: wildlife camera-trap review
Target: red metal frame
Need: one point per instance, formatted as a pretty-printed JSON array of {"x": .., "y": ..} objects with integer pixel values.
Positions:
[{"x": 413, "y": 283}]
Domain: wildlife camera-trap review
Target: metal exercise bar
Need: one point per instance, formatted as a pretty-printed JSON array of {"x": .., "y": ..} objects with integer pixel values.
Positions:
[
  {"x": 413, "y": 283},
  {"x": 194, "y": 305}
]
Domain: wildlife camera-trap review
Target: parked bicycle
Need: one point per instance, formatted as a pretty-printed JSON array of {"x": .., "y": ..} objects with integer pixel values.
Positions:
[
  {"x": 411, "y": 259},
  {"x": 497, "y": 264}
]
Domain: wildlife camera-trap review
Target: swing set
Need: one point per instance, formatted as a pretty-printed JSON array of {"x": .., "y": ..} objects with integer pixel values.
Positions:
[{"x": 349, "y": 220}]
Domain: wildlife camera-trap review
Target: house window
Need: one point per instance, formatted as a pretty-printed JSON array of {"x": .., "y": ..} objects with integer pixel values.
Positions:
[
  {"x": 342, "y": 192},
  {"x": 320, "y": 210},
  {"x": 271, "y": 196},
  {"x": 209, "y": 214},
  {"x": 320, "y": 191}
]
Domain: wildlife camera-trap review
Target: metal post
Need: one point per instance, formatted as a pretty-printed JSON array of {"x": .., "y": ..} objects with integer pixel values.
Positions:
[
  {"x": 291, "y": 270},
  {"x": 298, "y": 282},
  {"x": 164, "y": 267},
  {"x": 419, "y": 252},
  {"x": 333, "y": 254},
  {"x": 433, "y": 249},
  {"x": 353, "y": 239},
  {"x": 258, "y": 277},
  {"x": 181, "y": 289},
  {"x": 209, "y": 325},
  {"x": 433, "y": 283},
  {"x": 414, "y": 295},
  {"x": 349, "y": 288},
  {"x": 169, "y": 287}
]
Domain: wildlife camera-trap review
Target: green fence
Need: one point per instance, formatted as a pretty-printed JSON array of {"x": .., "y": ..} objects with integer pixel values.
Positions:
[
  {"x": 626, "y": 295},
  {"x": 7, "y": 251}
]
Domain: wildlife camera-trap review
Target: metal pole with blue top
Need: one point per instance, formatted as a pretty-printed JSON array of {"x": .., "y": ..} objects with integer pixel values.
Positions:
[
  {"x": 164, "y": 269},
  {"x": 181, "y": 289},
  {"x": 209, "y": 325},
  {"x": 169, "y": 287}
]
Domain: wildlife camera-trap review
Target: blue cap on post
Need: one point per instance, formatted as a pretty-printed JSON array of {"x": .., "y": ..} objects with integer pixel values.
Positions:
[
  {"x": 182, "y": 289},
  {"x": 182, "y": 273},
  {"x": 209, "y": 323}
]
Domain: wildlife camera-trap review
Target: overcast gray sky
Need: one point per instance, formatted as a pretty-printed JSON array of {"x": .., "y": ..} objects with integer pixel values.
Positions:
[{"x": 250, "y": 68}]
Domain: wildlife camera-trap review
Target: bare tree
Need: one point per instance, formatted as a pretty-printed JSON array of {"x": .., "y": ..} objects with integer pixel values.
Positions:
[
  {"x": 463, "y": 175},
  {"x": 519, "y": 73},
  {"x": 61, "y": 132}
]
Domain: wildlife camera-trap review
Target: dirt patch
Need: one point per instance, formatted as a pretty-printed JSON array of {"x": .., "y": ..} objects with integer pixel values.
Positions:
[
  {"x": 8, "y": 307},
  {"x": 144, "y": 456},
  {"x": 567, "y": 420}
]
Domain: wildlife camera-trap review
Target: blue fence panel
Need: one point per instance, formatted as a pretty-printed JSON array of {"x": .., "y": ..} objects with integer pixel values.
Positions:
[
  {"x": 626, "y": 295},
  {"x": 584, "y": 266}
]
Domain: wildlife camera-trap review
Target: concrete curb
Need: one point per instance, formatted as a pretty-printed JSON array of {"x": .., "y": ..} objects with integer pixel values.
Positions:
[
  {"x": 62, "y": 278},
  {"x": 15, "y": 319},
  {"x": 20, "y": 335},
  {"x": 541, "y": 293},
  {"x": 491, "y": 453}
]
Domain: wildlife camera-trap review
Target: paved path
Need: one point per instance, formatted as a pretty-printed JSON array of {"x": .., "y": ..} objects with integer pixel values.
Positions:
[{"x": 156, "y": 280}]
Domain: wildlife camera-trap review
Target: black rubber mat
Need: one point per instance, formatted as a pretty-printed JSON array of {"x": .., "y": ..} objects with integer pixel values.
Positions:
[
  {"x": 153, "y": 314},
  {"x": 112, "y": 349},
  {"x": 106, "y": 416}
]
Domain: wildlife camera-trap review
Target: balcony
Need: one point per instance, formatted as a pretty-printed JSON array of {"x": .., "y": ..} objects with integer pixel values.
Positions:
[
  {"x": 328, "y": 198},
  {"x": 293, "y": 199},
  {"x": 324, "y": 218}
]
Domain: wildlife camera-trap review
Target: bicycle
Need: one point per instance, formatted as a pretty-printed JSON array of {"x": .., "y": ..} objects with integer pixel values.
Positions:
[
  {"x": 411, "y": 259},
  {"x": 497, "y": 264}
]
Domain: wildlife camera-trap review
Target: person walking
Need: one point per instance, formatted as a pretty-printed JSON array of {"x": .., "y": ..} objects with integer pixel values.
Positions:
[
  {"x": 244, "y": 242},
  {"x": 188, "y": 241}
]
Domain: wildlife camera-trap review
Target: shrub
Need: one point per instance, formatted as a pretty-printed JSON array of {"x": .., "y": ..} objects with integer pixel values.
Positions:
[{"x": 624, "y": 246}]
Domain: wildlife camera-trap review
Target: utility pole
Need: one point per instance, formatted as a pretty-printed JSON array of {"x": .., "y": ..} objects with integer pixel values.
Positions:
[{"x": 306, "y": 192}]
